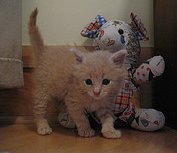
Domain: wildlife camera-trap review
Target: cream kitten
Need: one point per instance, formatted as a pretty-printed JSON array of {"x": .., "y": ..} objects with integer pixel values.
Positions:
[{"x": 84, "y": 81}]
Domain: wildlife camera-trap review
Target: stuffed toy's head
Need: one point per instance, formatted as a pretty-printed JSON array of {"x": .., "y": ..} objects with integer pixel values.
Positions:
[{"x": 117, "y": 35}]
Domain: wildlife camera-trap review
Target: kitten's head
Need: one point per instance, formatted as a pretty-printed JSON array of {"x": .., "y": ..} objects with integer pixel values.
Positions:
[{"x": 100, "y": 74}]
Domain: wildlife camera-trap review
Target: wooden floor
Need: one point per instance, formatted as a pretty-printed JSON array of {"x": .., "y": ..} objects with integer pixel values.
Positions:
[{"x": 20, "y": 138}]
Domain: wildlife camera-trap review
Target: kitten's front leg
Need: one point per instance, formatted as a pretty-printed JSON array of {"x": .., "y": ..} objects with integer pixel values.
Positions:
[
  {"x": 43, "y": 127},
  {"x": 82, "y": 123},
  {"x": 108, "y": 129}
]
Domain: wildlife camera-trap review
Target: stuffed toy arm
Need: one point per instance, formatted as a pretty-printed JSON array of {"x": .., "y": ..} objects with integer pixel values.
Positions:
[{"x": 150, "y": 69}]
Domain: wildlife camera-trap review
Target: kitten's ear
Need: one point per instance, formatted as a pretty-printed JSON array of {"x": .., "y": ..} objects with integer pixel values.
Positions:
[
  {"x": 118, "y": 57},
  {"x": 79, "y": 56}
]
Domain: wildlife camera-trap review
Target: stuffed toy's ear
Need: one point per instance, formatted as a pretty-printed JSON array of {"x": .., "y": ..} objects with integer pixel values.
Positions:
[
  {"x": 118, "y": 57},
  {"x": 138, "y": 27},
  {"x": 91, "y": 30}
]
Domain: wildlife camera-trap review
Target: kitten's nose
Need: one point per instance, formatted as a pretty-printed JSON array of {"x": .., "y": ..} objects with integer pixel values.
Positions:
[{"x": 96, "y": 93}]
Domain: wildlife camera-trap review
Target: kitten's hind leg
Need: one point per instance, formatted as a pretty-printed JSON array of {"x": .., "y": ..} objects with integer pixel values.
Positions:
[
  {"x": 108, "y": 129},
  {"x": 40, "y": 109}
]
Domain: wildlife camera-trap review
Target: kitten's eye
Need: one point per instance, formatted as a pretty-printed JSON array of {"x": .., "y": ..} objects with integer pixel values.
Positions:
[
  {"x": 105, "y": 82},
  {"x": 88, "y": 82}
]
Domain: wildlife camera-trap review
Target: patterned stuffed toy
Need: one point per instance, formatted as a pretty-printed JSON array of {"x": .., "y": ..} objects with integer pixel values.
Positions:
[{"x": 113, "y": 36}]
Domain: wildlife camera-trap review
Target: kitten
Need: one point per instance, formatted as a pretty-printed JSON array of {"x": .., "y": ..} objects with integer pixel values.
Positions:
[{"x": 84, "y": 81}]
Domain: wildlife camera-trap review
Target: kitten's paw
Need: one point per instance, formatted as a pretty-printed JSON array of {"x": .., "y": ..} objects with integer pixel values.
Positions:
[
  {"x": 43, "y": 127},
  {"x": 86, "y": 132},
  {"x": 111, "y": 133},
  {"x": 44, "y": 130}
]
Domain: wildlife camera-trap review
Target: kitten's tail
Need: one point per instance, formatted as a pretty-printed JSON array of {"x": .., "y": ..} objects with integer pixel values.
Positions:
[{"x": 35, "y": 35}]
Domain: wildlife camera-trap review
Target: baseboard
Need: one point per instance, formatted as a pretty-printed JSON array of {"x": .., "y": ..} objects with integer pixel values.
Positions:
[
  {"x": 29, "y": 59},
  {"x": 16, "y": 120},
  {"x": 5, "y": 120}
]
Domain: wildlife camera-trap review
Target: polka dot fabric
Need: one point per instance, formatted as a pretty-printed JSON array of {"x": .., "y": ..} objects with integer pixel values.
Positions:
[{"x": 142, "y": 73}]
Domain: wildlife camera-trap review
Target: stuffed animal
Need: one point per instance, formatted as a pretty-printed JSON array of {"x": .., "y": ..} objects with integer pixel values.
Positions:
[{"x": 114, "y": 36}]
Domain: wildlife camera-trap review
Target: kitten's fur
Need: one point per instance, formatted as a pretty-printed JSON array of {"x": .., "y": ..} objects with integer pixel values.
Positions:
[{"x": 62, "y": 74}]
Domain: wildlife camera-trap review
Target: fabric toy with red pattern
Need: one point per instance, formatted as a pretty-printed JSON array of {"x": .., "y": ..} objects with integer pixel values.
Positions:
[{"x": 113, "y": 36}]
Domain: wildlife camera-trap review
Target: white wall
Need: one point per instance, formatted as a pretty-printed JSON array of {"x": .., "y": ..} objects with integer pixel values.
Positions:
[{"x": 61, "y": 21}]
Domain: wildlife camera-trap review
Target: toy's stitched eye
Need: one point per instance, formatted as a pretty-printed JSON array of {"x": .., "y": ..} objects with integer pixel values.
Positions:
[
  {"x": 121, "y": 31},
  {"x": 105, "y": 82},
  {"x": 88, "y": 82}
]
